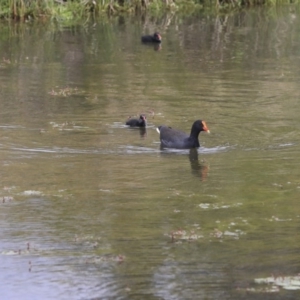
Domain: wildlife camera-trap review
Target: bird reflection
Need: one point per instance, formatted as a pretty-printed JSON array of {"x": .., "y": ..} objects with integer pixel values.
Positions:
[
  {"x": 143, "y": 132},
  {"x": 156, "y": 47},
  {"x": 198, "y": 168}
]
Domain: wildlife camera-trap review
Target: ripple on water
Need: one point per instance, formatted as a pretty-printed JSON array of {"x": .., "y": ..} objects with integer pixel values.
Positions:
[
  {"x": 201, "y": 150},
  {"x": 57, "y": 150},
  {"x": 123, "y": 125},
  {"x": 137, "y": 150},
  {"x": 56, "y": 277},
  {"x": 127, "y": 149}
]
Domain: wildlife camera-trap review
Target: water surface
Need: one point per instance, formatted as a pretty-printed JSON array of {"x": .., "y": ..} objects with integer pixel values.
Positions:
[{"x": 91, "y": 209}]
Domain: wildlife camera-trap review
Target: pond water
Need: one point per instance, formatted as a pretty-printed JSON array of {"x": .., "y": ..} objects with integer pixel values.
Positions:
[{"x": 91, "y": 209}]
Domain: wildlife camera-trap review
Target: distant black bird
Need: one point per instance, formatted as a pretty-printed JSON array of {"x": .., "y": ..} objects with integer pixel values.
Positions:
[
  {"x": 141, "y": 122},
  {"x": 172, "y": 138},
  {"x": 155, "y": 38}
]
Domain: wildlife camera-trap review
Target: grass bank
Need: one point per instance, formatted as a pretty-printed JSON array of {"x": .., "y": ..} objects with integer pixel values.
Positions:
[{"x": 72, "y": 10}]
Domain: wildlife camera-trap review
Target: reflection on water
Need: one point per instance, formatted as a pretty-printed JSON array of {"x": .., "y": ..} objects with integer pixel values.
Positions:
[
  {"x": 92, "y": 209},
  {"x": 155, "y": 47},
  {"x": 142, "y": 131},
  {"x": 198, "y": 169}
]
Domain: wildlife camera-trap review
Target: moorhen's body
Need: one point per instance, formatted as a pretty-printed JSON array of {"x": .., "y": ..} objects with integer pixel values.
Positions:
[
  {"x": 155, "y": 38},
  {"x": 172, "y": 138},
  {"x": 141, "y": 122}
]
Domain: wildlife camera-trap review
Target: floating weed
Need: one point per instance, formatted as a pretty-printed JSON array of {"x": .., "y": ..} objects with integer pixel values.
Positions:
[
  {"x": 272, "y": 289},
  {"x": 275, "y": 219},
  {"x": 220, "y": 234},
  {"x": 227, "y": 231},
  {"x": 176, "y": 193},
  {"x": 212, "y": 196},
  {"x": 106, "y": 258},
  {"x": 6, "y": 199},
  {"x": 105, "y": 191},
  {"x": 184, "y": 235},
  {"x": 204, "y": 205},
  {"x": 285, "y": 282},
  {"x": 84, "y": 238},
  {"x": 10, "y": 252},
  {"x": 67, "y": 126},
  {"x": 234, "y": 234},
  {"x": 180, "y": 235},
  {"x": 285, "y": 185},
  {"x": 278, "y": 185},
  {"x": 5, "y": 62},
  {"x": 216, "y": 233},
  {"x": 65, "y": 92},
  {"x": 227, "y": 206},
  {"x": 218, "y": 206},
  {"x": 29, "y": 250},
  {"x": 87, "y": 240},
  {"x": 9, "y": 188},
  {"x": 32, "y": 193}
]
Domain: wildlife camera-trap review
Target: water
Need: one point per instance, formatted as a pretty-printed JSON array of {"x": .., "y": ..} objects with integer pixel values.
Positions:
[{"x": 91, "y": 209}]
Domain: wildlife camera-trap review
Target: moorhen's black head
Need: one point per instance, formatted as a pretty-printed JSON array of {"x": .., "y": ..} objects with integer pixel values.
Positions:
[
  {"x": 157, "y": 36},
  {"x": 143, "y": 117},
  {"x": 199, "y": 126}
]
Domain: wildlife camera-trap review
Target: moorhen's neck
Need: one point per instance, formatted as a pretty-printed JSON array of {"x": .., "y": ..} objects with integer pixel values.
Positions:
[
  {"x": 194, "y": 132},
  {"x": 142, "y": 122}
]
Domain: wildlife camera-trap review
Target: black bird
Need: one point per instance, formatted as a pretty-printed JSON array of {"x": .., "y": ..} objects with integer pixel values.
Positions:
[
  {"x": 172, "y": 138},
  {"x": 141, "y": 122},
  {"x": 155, "y": 38}
]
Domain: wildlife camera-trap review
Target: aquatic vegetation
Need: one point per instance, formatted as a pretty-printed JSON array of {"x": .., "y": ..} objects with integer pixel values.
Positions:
[
  {"x": 9, "y": 188},
  {"x": 267, "y": 289},
  {"x": 69, "y": 11},
  {"x": 227, "y": 233},
  {"x": 184, "y": 235},
  {"x": 106, "y": 258},
  {"x": 5, "y": 62},
  {"x": 29, "y": 250},
  {"x": 69, "y": 126},
  {"x": 93, "y": 242},
  {"x": 32, "y": 193},
  {"x": 218, "y": 206},
  {"x": 223, "y": 232},
  {"x": 275, "y": 282},
  {"x": 64, "y": 92},
  {"x": 6, "y": 199},
  {"x": 105, "y": 191},
  {"x": 276, "y": 219},
  {"x": 86, "y": 239}
]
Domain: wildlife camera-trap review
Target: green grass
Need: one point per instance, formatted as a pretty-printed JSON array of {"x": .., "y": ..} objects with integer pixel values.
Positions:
[{"x": 70, "y": 11}]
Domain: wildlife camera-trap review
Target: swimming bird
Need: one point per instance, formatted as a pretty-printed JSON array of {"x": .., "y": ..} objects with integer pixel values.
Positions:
[
  {"x": 155, "y": 38},
  {"x": 173, "y": 138},
  {"x": 141, "y": 122}
]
